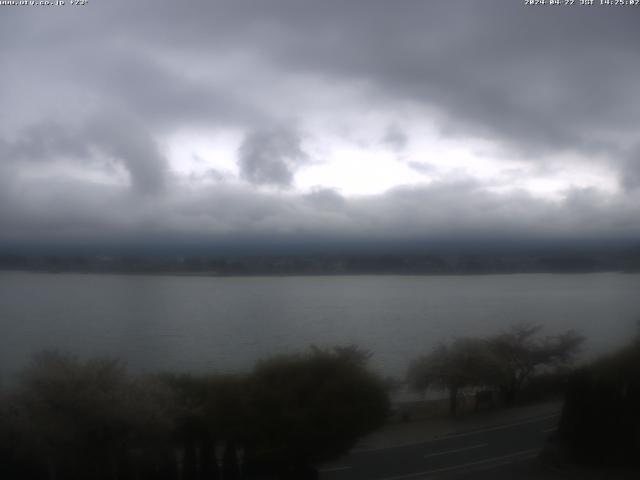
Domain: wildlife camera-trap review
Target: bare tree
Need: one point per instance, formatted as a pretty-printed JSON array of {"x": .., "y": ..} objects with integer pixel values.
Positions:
[
  {"x": 520, "y": 353},
  {"x": 505, "y": 361},
  {"x": 465, "y": 362}
]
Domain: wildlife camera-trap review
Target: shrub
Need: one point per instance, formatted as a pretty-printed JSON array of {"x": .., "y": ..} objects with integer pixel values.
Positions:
[
  {"x": 600, "y": 422},
  {"x": 314, "y": 406}
]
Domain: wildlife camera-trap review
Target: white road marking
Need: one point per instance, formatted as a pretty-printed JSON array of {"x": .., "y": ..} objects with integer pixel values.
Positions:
[
  {"x": 392, "y": 447},
  {"x": 334, "y": 469},
  {"x": 521, "y": 455},
  {"x": 454, "y": 435},
  {"x": 447, "y": 452},
  {"x": 498, "y": 427},
  {"x": 549, "y": 430}
]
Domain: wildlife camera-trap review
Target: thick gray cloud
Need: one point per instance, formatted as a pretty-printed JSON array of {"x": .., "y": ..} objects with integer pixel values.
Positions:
[
  {"x": 537, "y": 78},
  {"x": 271, "y": 156},
  {"x": 537, "y": 82},
  {"x": 110, "y": 138},
  {"x": 422, "y": 167},
  {"x": 543, "y": 78},
  {"x": 41, "y": 141},
  {"x": 630, "y": 172},
  {"x": 326, "y": 199},
  {"x": 395, "y": 137},
  {"x": 129, "y": 142},
  {"x": 62, "y": 210}
]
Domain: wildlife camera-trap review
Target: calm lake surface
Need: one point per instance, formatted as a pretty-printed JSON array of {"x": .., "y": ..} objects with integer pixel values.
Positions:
[{"x": 225, "y": 324}]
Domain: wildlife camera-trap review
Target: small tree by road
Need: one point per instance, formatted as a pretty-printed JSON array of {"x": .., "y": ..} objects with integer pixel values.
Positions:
[
  {"x": 520, "y": 353},
  {"x": 465, "y": 362}
]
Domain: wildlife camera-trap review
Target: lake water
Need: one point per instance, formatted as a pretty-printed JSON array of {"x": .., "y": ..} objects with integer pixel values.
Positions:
[{"x": 225, "y": 324}]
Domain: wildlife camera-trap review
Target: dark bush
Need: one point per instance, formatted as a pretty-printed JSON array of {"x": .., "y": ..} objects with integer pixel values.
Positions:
[
  {"x": 546, "y": 385},
  {"x": 600, "y": 421},
  {"x": 313, "y": 407},
  {"x": 70, "y": 419},
  {"x": 84, "y": 419}
]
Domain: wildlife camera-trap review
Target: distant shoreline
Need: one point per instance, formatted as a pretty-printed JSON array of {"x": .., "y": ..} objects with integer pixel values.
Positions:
[
  {"x": 325, "y": 265},
  {"x": 170, "y": 273}
]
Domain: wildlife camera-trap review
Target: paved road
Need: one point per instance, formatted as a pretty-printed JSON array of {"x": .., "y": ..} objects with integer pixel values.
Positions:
[{"x": 449, "y": 455}]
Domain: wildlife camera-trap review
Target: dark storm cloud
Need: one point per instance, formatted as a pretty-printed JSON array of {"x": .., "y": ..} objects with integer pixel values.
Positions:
[
  {"x": 164, "y": 96},
  {"x": 271, "y": 156},
  {"x": 538, "y": 79}
]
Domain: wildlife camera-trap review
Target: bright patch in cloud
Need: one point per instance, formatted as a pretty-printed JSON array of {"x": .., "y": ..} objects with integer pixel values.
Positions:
[{"x": 202, "y": 154}]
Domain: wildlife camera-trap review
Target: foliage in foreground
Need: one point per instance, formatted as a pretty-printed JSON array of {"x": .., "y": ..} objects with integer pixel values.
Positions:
[
  {"x": 72, "y": 419},
  {"x": 600, "y": 423},
  {"x": 314, "y": 406}
]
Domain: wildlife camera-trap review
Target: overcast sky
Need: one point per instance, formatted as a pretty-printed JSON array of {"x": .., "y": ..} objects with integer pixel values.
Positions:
[{"x": 328, "y": 119}]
